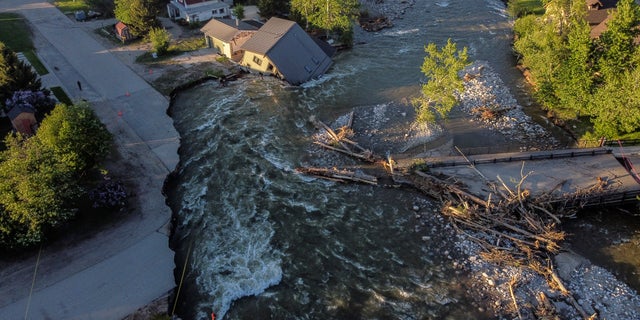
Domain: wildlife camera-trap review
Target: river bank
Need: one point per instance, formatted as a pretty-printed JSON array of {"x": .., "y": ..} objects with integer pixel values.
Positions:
[{"x": 490, "y": 280}]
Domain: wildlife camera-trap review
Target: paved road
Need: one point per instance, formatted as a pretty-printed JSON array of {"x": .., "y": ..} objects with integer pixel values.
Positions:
[{"x": 120, "y": 268}]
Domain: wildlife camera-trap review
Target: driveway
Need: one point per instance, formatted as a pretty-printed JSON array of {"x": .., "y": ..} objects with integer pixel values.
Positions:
[{"x": 112, "y": 271}]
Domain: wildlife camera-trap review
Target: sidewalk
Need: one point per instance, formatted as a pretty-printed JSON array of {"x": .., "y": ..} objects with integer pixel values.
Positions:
[{"x": 122, "y": 267}]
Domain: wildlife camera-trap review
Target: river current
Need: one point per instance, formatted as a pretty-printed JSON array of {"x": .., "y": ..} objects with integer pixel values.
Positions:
[{"x": 261, "y": 241}]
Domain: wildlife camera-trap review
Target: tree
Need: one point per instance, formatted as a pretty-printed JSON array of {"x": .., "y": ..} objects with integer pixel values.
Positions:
[
  {"x": 75, "y": 135},
  {"x": 270, "y": 8},
  {"x": 330, "y": 15},
  {"x": 35, "y": 192},
  {"x": 15, "y": 75},
  {"x": 441, "y": 68},
  {"x": 139, "y": 15},
  {"x": 40, "y": 175},
  {"x": 575, "y": 75},
  {"x": 160, "y": 39},
  {"x": 617, "y": 42},
  {"x": 238, "y": 11}
]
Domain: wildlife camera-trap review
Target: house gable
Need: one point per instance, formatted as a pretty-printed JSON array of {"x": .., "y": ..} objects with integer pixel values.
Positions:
[{"x": 283, "y": 48}]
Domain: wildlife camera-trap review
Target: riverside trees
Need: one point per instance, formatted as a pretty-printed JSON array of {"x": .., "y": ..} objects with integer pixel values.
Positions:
[
  {"x": 139, "y": 15},
  {"x": 576, "y": 75},
  {"x": 441, "y": 67},
  {"x": 40, "y": 176},
  {"x": 330, "y": 15}
]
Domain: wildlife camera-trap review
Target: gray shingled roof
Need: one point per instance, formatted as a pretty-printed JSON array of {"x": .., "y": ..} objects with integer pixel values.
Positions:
[
  {"x": 268, "y": 35},
  {"x": 294, "y": 53},
  {"x": 225, "y": 29}
]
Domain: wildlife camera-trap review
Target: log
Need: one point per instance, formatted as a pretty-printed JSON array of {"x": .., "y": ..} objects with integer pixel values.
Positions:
[{"x": 340, "y": 175}]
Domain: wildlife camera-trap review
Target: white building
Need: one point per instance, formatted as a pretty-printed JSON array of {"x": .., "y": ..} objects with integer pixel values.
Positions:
[{"x": 199, "y": 10}]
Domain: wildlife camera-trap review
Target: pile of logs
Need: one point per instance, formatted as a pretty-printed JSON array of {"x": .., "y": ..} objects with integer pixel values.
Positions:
[
  {"x": 512, "y": 227},
  {"x": 375, "y": 24}
]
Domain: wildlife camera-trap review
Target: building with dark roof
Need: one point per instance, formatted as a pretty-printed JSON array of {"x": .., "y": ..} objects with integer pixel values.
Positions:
[
  {"x": 282, "y": 48},
  {"x": 23, "y": 119}
]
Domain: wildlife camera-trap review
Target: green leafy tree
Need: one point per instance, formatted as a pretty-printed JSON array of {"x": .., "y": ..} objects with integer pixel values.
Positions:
[
  {"x": 238, "y": 11},
  {"x": 160, "y": 39},
  {"x": 575, "y": 75},
  {"x": 139, "y": 15},
  {"x": 40, "y": 175},
  {"x": 15, "y": 75},
  {"x": 616, "y": 105},
  {"x": 35, "y": 191},
  {"x": 617, "y": 42},
  {"x": 330, "y": 15},
  {"x": 441, "y": 68},
  {"x": 75, "y": 135},
  {"x": 270, "y": 8}
]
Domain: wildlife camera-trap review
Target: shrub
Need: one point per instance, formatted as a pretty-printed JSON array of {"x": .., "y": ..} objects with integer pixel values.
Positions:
[
  {"x": 109, "y": 195},
  {"x": 160, "y": 39}
]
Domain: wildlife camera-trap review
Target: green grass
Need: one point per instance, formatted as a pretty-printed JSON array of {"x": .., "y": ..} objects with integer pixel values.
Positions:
[
  {"x": 35, "y": 62},
  {"x": 15, "y": 33},
  {"x": 182, "y": 46},
  {"x": 518, "y": 8},
  {"x": 61, "y": 95},
  {"x": 71, "y": 6}
]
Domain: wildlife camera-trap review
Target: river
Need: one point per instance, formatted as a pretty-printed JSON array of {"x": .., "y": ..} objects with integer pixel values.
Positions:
[{"x": 264, "y": 242}]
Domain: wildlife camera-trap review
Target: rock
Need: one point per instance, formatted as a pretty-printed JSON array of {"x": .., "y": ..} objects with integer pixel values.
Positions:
[{"x": 568, "y": 262}]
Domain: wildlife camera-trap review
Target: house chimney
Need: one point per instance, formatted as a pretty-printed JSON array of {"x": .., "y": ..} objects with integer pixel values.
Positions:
[{"x": 237, "y": 22}]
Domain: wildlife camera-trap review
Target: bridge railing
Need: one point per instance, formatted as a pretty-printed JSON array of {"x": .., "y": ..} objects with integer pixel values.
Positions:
[{"x": 539, "y": 155}]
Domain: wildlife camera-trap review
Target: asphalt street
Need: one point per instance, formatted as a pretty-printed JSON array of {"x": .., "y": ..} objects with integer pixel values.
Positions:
[{"x": 118, "y": 269}]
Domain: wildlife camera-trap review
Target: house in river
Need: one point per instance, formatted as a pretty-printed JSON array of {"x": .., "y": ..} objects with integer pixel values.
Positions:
[
  {"x": 227, "y": 35},
  {"x": 193, "y": 11},
  {"x": 283, "y": 49}
]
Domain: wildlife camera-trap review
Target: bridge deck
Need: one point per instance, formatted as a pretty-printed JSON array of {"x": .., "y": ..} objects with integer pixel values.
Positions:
[{"x": 562, "y": 171}]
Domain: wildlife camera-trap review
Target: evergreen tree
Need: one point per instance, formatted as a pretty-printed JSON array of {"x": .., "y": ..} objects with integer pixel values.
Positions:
[
  {"x": 15, "y": 75},
  {"x": 238, "y": 11},
  {"x": 617, "y": 42},
  {"x": 441, "y": 67},
  {"x": 574, "y": 83},
  {"x": 139, "y": 15}
]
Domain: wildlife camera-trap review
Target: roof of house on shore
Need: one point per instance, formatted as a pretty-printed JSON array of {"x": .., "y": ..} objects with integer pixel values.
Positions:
[
  {"x": 599, "y": 11},
  {"x": 296, "y": 55},
  {"x": 19, "y": 109},
  {"x": 226, "y": 29}
]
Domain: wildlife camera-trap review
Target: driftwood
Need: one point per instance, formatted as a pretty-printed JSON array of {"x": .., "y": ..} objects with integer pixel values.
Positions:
[
  {"x": 339, "y": 175},
  {"x": 341, "y": 142}
]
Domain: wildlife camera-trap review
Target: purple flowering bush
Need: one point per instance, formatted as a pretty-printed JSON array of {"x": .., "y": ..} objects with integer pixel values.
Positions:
[
  {"x": 109, "y": 195},
  {"x": 39, "y": 101}
]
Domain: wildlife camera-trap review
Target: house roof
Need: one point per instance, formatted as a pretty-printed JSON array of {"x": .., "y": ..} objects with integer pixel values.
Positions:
[
  {"x": 595, "y": 17},
  {"x": 19, "y": 109},
  {"x": 225, "y": 29},
  {"x": 120, "y": 26},
  {"x": 268, "y": 35},
  {"x": 200, "y": 8},
  {"x": 295, "y": 54}
]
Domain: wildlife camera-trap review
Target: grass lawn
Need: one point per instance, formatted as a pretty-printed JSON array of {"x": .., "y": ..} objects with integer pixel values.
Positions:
[
  {"x": 14, "y": 32},
  {"x": 185, "y": 45},
  {"x": 61, "y": 95},
  {"x": 71, "y": 6}
]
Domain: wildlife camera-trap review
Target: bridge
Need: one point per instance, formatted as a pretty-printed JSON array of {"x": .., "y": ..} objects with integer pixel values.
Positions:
[{"x": 572, "y": 177}]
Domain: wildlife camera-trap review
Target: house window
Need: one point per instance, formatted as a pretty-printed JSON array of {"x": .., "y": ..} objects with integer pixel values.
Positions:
[
  {"x": 257, "y": 60},
  {"x": 270, "y": 67}
]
